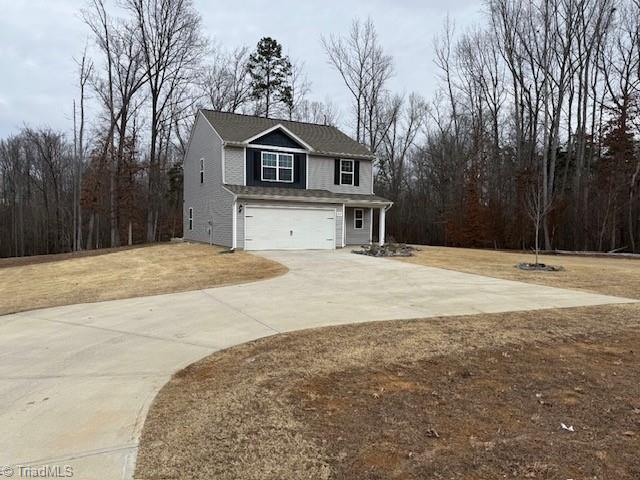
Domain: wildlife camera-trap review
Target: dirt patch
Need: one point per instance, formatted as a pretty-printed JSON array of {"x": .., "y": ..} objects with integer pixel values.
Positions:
[
  {"x": 471, "y": 397},
  {"x": 137, "y": 272},
  {"x": 611, "y": 276}
]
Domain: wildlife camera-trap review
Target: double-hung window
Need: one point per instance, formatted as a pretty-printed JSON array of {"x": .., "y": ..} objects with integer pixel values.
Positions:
[
  {"x": 358, "y": 219},
  {"x": 346, "y": 172},
  {"x": 190, "y": 218},
  {"x": 277, "y": 167},
  {"x": 202, "y": 170}
]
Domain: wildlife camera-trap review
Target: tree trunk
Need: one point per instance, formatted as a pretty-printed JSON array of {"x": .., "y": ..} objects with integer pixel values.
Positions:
[{"x": 90, "y": 230}]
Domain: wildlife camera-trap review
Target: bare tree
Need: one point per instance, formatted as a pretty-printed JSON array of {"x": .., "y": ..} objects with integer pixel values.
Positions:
[
  {"x": 300, "y": 88},
  {"x": 79, "y": 148},
  {"x": 226, "y": 85},
  {"x": 324, "y": 113},
  {"x": 365, "y": 70},
  {"x": 537, "y": 209},
  {"x": 406, "y": 119},
  {"x": 117, "y": 87},
  {"x": 172, "y": 47}
]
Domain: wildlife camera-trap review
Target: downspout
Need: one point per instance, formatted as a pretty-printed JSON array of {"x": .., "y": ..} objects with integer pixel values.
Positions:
[{"x": 234, "y": 224}]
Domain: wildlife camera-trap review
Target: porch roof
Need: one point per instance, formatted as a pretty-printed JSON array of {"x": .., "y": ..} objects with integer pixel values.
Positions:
[{"x": 306, "y": 195}]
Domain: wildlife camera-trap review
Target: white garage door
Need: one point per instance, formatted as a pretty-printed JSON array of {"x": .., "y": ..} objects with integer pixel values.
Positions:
[{"x": 280, "y": 228}]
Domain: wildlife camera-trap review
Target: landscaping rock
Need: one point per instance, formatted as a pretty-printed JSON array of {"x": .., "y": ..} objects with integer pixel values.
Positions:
[{"x": 387, "y": 250}]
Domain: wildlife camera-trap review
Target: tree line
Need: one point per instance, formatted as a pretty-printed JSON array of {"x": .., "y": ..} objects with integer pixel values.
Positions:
[
  {"x": 531, "y": 138},
  {"x": 117, "y": 179}
]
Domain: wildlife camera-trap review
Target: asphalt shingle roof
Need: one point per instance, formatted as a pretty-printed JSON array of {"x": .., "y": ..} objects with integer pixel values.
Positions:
[
  {"x": 324, "y": 139},
  {"x": 253, "y": 191}
]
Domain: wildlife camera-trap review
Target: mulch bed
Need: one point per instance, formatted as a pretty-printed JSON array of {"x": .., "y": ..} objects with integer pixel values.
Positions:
[{"x": 539, "y": 267}]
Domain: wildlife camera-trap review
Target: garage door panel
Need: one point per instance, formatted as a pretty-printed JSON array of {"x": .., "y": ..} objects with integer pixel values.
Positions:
[{"x": 279, "y": 228}]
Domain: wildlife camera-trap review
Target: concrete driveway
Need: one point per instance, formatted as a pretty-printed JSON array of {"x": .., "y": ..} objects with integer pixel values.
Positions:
[{"x": 76, "y": 382}]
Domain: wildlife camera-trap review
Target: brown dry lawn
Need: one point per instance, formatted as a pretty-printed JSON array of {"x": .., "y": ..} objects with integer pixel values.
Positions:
[
  {"x": 54, "y": 280},
  {"x": 612, "y": 276},
  {"x": 472, "y": 397}
]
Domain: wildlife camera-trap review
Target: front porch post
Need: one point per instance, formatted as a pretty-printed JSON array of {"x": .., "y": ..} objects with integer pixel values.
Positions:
[
  {"x": 381, "y": 226},
  {"x": 371, "y": 226}
]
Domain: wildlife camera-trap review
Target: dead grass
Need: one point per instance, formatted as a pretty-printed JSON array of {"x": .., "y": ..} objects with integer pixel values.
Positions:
[
  {"x": 473, "y": 397},
  {"x": 611, "y": 276},
  {"x": 150, "y": 270},
  {"x": 366, "y": 402},
  {"x": 56, "y": 257}
]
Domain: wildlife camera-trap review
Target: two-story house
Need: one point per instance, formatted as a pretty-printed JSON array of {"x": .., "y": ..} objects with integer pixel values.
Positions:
[{"x": 265, "y": 184}]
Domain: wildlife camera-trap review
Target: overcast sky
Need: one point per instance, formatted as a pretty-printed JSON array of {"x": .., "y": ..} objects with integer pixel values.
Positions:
[{"x": 40, "y": 38}]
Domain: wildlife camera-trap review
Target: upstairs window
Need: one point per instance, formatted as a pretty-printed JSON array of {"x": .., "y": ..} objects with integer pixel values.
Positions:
[
  {"x": 202, "y": 170},
  {"x": 346, "y": 172},
  {"x": 358, "y": 219},
  {"x": 277, "y": 167}
]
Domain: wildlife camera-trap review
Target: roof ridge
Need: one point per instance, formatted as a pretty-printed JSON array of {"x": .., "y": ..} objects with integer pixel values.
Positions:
[{"x": 273, "y": 119}]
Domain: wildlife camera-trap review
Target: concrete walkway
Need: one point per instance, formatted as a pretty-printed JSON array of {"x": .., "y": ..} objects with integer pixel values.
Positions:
[{"x": 76, "y": 382}]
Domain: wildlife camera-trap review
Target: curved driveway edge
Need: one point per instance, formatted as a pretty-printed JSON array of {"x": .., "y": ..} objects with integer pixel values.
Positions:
[{"x": 76, "y": 382}]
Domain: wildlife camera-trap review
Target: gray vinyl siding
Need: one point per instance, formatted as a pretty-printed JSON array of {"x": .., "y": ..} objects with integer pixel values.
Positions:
[
  {"x": 321, "y": 176},
  {"x": 240, "y": 219},
  {"x": 209, "y": 200},
  {"x": 234, "y": 165},
  {"x": 353, "y": 236}
]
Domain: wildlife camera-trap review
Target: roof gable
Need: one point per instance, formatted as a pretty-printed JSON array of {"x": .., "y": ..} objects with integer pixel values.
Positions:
[
  {"x": 278, "y": 136},
  {"x": 320, "y": 139}
]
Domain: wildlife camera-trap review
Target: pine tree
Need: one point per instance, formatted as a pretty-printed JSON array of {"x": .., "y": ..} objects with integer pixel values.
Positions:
[{"x": 270, "y": 72}]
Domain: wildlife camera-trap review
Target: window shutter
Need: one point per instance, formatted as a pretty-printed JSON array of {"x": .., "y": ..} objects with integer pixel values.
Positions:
[
  {"x": 336, "y": 172},
  {"x": 356, "y": 173},
  {"x": 297, "y": 161},
  {"x": 256, "y": 165}
]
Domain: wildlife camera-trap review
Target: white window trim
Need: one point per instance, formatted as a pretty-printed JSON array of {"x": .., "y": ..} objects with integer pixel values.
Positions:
[
  {"x": 352, "y": 172},
  {"x": 202, "y": 170},
  {"x": 277, "y": 167},
  {"x": 355, "y": 218},
  {"x": 190, "y": 219},
  {"x": 276, "y": 148}
]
